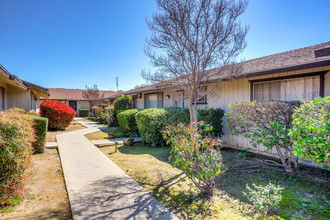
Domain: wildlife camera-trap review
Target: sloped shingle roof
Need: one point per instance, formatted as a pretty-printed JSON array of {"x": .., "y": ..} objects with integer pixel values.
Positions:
[
  {"x": 303, "y": 58},
  {"x": 76, "y": 94}
]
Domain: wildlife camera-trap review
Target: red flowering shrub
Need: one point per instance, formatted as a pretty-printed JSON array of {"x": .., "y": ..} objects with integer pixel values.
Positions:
[
  {"x": 196, "y": 154},
  {"x": 59, "y": 114},
  {"x": 16, "y": 138}
]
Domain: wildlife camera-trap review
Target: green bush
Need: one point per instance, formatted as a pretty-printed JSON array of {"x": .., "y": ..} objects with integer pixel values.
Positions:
[
  {"x": 151, "y": 122},
  {"x": 123, "y": 102},
  {"x": 40, "y": 126},
  {"x": 127, "y": 122},
  {"x": 84, "y": 112},
  {"x": 311, "y": 131},
  {"x": 212, "y": 117},
  {"x": 16, "y": 138}
]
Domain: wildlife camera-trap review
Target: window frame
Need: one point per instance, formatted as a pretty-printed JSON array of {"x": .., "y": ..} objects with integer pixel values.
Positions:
[
  {"x": 203, "y": 102},
  {"x": 321, "y": 74},
  {"x": 153, "y": 93},
  {"x": 2, "y": 93}
]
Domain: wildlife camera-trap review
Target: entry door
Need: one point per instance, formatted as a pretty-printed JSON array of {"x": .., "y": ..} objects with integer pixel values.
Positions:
[
  {"x": 178, "y": 99},
  {"x": 2, "y": 99},
  {"x": 73, "y": 104}
]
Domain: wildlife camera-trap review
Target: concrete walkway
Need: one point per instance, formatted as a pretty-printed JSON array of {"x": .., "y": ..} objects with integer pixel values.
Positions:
[{"x": 97, "y": 187}]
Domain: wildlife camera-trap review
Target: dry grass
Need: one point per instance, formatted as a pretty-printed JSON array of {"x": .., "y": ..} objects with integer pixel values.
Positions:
[
  {"x": 46, "y": 196},
  {"x": 51, "y": 135}
]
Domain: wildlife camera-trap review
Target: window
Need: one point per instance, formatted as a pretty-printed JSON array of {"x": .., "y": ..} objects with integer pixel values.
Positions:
[
  {"x": 202, "y": 95},
  {"x": 154, "y": 100},
  {"x": 306, "y": 88},
  {"x": 2, "y": 99}
]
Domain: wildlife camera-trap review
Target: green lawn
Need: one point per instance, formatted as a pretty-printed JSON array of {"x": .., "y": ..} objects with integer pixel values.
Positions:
[
  {"x": 103, "y": 133},
  {"x": 306, "y": 195}
]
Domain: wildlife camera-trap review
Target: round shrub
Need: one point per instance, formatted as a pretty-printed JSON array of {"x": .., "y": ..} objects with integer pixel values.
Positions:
[
  {"x": 16, "y": 138},
  {"x": 311, "y": 130},
  {"x": 151, "y": 122},
  {"x": 59, "y": 114},
  {"x": 96, "y": 112},
  {"x": 84, "y": 112},
  {"x": 40, "y": 126},
  {"x": 127, "y": 122},
  {"x": 123, "y": 102}
]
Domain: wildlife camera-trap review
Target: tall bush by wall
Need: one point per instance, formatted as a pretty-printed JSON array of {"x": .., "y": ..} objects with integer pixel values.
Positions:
[
  {"x": 127, "y": 122},
  {"x": 310, "y": 131},
  {"x": 40, "y": 126},
  {"x": 84, "y": 112},
  {"x": 16, "y": 138},
  {"x": 151, "y": 122},
  {"x": 212, "y": 117},
  {"x": 59, "y": 114}
]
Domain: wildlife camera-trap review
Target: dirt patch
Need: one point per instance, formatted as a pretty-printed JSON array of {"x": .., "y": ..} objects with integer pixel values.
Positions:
[
  {"x": 51, "y": 135},
  {"x": 46, "y": 196}
]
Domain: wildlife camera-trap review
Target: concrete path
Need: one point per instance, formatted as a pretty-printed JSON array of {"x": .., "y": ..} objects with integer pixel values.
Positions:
[{"x": 97, "y": 187}]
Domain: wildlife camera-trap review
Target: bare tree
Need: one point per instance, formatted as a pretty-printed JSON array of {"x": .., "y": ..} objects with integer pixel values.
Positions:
[
  {"x": 94, "y": 96},
  {"x": 190, "y": 37}
]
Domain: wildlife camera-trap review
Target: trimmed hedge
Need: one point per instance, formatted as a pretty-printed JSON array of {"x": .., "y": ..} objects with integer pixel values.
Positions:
[
  {"x": 123, "y": 102},
  {"x": 127, "y": 122},
  {"x": 59, "y": 114},
  {"x": 16, "y": 138},
  {"x": 40, "y": 126},
  {"x": 84, "y": 112},
  {"x": 212, "y": 117},
  {"x": 151, "y": 122}
]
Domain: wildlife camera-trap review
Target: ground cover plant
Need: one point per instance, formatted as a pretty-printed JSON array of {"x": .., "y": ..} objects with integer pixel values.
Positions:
[
  {"x": 266, "y": 123},
  {"x": 16, "y": 138},
  {"x": 59, "y": 114},
  {"x": 305, "y": 195},
  {"x": 311, "y": 131},
  {"x": 196, "y": 155}
]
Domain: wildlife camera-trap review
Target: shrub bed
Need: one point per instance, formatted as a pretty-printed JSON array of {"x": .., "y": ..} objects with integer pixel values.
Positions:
[
  {"x": 212, "y": 117},
  {"x": 40, "y": 126},
  {"x": 84, "y": 112},
  {"x": 151, "y": 122},
  {"x": 16, "y": 138},
  {"x": 127, "y": 122},
  {"x": 59, "y": 114}
]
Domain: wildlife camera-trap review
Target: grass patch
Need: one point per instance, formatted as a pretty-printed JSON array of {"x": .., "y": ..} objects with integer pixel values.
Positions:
[
  {"x": 51, "y": 135},
  {"x": 103, "y": 133},
  {"x": 306, "y": 195}
]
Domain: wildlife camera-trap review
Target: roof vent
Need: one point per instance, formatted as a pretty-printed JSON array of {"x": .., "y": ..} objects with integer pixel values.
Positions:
[{"x": 322, "y": 52}]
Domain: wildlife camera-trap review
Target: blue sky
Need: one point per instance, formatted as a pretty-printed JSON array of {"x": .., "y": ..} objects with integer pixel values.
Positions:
[{"x": 73, "y": 43}]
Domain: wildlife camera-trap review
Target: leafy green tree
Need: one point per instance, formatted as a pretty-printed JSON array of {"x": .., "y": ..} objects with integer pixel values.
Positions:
[
  {"x": 123, "y": 102},
  {"x": 266, "y": 123}
]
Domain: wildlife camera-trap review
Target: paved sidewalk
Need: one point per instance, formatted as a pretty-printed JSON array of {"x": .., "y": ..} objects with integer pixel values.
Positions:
[{"x": 97, "y": 187}]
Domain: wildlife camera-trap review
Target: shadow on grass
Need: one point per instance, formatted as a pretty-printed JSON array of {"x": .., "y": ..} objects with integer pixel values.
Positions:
[
  {"x": 161, "y": 153},
  {"x": 304, "y": 195}
]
